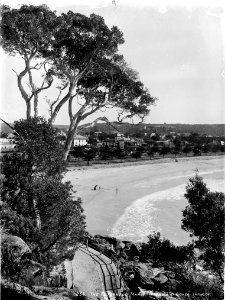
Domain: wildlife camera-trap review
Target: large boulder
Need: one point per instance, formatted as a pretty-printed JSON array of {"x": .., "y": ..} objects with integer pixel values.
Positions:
[
  {"x": 143, "y": 275},
  {"x": 160, "y": 279},
  {"x": 154, "y": 278},
  {"x": 13, "y": 248}
]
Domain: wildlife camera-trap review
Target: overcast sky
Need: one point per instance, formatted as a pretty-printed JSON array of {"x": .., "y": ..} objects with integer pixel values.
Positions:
[{"x": 177, "y": 50}]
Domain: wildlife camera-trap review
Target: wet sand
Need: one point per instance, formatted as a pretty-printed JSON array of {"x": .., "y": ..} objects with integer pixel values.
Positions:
[{"x": 130, "y": 202}]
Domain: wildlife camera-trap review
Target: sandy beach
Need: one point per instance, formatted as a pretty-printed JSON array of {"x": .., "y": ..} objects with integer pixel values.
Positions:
[{"x": 132, "y": 201}]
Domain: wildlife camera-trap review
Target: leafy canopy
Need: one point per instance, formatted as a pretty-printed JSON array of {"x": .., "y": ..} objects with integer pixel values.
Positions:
[
  {"x": 36, "y": 204},
  {"x": 204, "y": 219},
  {"x": 27, "y": 30}
]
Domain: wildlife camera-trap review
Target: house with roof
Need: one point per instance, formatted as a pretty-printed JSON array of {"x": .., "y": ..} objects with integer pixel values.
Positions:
[
  {"x": 79, "y": 140},
  {"x": 11, "y": 135},
  {"x": 109, "y": 142},
  {"x": 7, "y": 145}
]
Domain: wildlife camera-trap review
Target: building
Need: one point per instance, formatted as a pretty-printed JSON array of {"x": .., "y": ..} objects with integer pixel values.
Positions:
[
  {"x": 109, "y": 142},
  {"x": 79, "y": 140},
  {"x": 7, "y": 145}
]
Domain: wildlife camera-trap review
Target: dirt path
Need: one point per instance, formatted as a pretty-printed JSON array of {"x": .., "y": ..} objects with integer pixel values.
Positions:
[{"x": 94, "y": 274}]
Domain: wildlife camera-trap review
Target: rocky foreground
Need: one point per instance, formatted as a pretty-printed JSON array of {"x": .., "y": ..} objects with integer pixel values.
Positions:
[{"x": 162, "y": 272}]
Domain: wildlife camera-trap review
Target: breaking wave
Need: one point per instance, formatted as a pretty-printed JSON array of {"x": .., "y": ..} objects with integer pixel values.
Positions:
[{"x": 138, "y": 219}]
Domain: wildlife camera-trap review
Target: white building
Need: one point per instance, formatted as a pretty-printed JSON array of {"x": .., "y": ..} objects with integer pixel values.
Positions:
[
  {"x": 79, "y": 140},
  {"x": 7, "y": 145}
]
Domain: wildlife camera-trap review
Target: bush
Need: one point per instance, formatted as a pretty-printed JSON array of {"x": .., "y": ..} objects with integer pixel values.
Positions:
[
  {"x": 162, "y": 251},
  {"x": 204, "y": 219}
]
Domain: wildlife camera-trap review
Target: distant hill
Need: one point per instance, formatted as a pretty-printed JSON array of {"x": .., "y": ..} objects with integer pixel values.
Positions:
[
  {"x": 4, "y": 128},
  {"x": 130, "y": 129},
  {"x": 7, "y": 129}
]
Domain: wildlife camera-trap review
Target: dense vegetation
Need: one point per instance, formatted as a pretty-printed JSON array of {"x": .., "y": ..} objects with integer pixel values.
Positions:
[
  {"x": 37, "y": 206},
  {"x": 204, "y": 219}
]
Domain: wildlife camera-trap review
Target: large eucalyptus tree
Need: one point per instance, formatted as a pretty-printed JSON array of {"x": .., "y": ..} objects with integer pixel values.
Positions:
[{"x": 81, "y": 53}]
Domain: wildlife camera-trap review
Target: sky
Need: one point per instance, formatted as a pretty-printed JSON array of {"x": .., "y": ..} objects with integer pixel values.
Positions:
[{"x": 177, "y": 47}]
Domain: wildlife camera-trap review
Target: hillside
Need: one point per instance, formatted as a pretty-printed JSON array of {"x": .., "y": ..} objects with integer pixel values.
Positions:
[{"x": 130, "y": 129}]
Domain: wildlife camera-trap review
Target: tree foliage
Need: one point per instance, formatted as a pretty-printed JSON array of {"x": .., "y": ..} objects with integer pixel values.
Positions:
[
  {"x": 36, "y": 204},
  {"x": 81, "y": 53},
  {"x": 186, "y": 149},
  {"x": 26, "y": 32},
  {"x": 161, "y": 251},
  {"x": 204, "y": 219},
  {"x": 165, "y": 150}
]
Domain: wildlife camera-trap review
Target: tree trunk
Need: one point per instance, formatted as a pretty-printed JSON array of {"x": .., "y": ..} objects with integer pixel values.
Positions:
[
  {"x": 56, "y": 110},
  {"x": 21, "y": 88},
  {"x": 37, "y": 215},
  {"x": 28, "y": 113},
  {"x": 70, "y": 136},
  {"x": 35, "y": 105},
  {"x": 74, "y": 122},
  {"x": 221, "y": 277}
]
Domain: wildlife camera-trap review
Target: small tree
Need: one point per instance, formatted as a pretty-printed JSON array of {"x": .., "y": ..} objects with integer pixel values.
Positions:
[
  {"x": 161, "y": 250},
  {"x": 155, "y": 148},
  {"x": 177, "y": 148},
  {"x": 215, "y": 148},
  {"x": 106, "y": 152},
  {"x": 186, "y": 149},
  {"x": 120, "y": 153},
  {"x": 136, "y": 154},
  {"x": 164, "y": 151},
  {"x": 197, "y": 150},
  {"x": 204, "y": 219},
  {"x": 150, "y": 153},
  {"x": 206, "y": 148},
  {"x": 90, "y": 154}
]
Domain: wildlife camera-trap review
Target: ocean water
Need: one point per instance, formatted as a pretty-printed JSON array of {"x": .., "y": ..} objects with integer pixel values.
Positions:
[{"x": 160, "y": 212}]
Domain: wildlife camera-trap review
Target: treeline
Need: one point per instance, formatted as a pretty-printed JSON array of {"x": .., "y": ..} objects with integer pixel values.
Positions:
[
  {"x": 141, "y": 129},
  {"x": 193, "y": 145}
]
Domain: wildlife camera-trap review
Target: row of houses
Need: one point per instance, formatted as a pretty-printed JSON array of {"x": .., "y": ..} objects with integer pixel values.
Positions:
[
  {"x": 121, "y": 141},
  {"x": 132, "y": 143},
  {"x": 8, "y": 145}
]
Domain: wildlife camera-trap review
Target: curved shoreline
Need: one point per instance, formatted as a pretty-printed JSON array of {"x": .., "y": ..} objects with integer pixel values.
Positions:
[{"x": 121, "y": 185}]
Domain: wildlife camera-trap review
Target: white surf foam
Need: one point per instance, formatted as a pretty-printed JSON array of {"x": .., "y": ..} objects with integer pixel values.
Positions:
[{"x": 136, "y": 222}]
